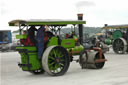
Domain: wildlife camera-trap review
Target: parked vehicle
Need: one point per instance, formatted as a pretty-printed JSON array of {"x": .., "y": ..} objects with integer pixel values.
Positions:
[
  {"x": 5, "y": 39},
  {"x": 118, "y": 37}
]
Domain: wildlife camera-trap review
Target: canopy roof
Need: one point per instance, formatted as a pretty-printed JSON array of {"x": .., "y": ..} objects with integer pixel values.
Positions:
[
  {"x": 116, "y": 26},
  {"x": 38, "y": 22}
]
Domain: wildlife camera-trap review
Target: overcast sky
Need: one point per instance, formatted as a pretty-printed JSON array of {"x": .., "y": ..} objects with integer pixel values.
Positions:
[{"x": 96, "y": 12}]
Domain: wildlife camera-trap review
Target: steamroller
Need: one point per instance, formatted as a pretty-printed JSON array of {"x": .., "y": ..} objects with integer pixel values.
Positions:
[{"x": 58, "y": 50}]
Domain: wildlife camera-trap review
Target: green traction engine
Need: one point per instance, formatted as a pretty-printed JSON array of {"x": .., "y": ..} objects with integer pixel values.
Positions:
[
  {"x": 59, "y": 51},
  {"x": 118, "y": 38}
]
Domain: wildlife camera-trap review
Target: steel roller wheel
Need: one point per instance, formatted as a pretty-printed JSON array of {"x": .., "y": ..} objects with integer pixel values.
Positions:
[
  {"x": 83, "y": 59},
  {"x": 55, "y": 60},
  {"x": 120, "y": 46},
  {"x": 99, "y": 65},
  {"x": 88, "y": 61}
]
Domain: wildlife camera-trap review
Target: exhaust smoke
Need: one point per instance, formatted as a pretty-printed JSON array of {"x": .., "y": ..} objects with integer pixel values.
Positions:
[{"x": 81, "y": 6}]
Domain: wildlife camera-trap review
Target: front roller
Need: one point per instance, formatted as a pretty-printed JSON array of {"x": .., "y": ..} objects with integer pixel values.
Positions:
[
  {"x": 55, "y": 60},
  {"x": 91, "y": 59}
]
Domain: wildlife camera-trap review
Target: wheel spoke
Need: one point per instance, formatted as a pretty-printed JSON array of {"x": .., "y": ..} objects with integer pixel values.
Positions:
[
  {"x": 118, "y": 49},
  {"x": 50, "y": 57},
  {"x": 118, "y": 41},
  {"x": 54, "y": 53},
  {"x": 51, "y": 53},
  {"x": 59, "y": 53},
  {"x": 51, "y": 63}
]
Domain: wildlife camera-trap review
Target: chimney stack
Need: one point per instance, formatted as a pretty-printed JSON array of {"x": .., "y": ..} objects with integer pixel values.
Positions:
[
  {"x": 105, "y": 25},
  {"x": 80, "y": 27}
]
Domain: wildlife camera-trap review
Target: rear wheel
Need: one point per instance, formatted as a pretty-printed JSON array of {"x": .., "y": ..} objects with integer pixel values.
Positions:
[
  {"x": 56, "y": 60},
  {"x": 120, "y": 46}
]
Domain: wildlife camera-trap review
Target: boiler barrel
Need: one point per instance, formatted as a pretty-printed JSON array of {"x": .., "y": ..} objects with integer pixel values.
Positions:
[{"x": 76, "y": 50}]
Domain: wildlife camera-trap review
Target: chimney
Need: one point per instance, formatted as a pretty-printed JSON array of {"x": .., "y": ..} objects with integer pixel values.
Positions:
[
  {"x": 105, "y": 25},
  {"x": 80, "y": 27}
]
